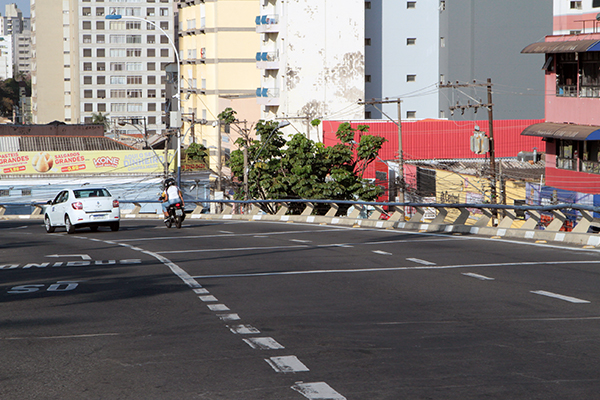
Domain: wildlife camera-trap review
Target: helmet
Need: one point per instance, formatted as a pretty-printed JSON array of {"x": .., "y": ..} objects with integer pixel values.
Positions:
[{"x": 169, "y": 182}]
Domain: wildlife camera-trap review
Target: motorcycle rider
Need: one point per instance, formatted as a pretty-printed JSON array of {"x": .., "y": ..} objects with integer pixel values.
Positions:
[{"x": 170, "y": 195}]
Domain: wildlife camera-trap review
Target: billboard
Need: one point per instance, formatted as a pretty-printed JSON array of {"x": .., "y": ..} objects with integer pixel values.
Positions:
[{"x": 84, "y": 162}]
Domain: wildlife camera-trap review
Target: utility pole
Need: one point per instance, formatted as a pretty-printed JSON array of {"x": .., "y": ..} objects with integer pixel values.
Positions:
[
  {"x": 400, "y": 152},
  {"x": 476, "y": 105}
]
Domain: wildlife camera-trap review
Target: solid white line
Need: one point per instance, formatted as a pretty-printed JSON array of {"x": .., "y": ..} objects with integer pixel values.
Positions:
[
  {"x": 263, "y": 343},
  {"x": 300, "y": 241},
  {"x": 233, "y": 249},
  {"x": 228, "y": 235},
  {"x": 424, "y": 267},
  {"x": 62, "y": 337},
  {"x": 383, "y": 253},
  {"x": 286, "y": 364},
  {"x": 317, "y": 391},
  {"x": 560, "y": 296},
  {"x": 419, "y": 261},
  {"x": 477, "y": 276},
  {"x": 243, "y": 329}
]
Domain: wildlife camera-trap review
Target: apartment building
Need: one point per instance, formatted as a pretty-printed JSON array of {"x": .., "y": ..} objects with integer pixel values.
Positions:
[
  {"x": 6, "y": 57},
  {"x": 18, "y": 28},
  {"x": 84, "y": 63},
  {"x": 413, "y": 45},
  {"x": 312, "y": 61},
  {"x": 218, "y": 43}
]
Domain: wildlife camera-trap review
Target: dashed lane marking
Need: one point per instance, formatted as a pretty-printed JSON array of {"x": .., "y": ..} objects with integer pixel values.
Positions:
[
  {"x": 419, "y": 261},
  {"x": 287, "y": 364},
  {"x": 263, "y": 343},
  {"x": 243, "y": 329},
  {"x": 317, "y": 391},
  {"x": 383, "y": 253},
  {"x": 560, "y": 296},
  {"x": 477, "y": 276}
]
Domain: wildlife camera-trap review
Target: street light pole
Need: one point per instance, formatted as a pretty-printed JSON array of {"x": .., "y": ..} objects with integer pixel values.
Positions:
[{"x": 178, "y": 95}]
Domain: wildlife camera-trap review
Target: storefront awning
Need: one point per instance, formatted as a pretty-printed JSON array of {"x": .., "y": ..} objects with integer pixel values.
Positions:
[
  {"x": 563, "y": 131},
  {"x": 571, "y": 46}
]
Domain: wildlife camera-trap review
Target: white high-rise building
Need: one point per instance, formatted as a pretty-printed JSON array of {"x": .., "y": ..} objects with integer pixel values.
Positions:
[
  {"x": 311, "y": 60},
  {"x": 6, "y": 57},
  {"x": 19, "y": 29},
  {"x": 85, "y": 64}
]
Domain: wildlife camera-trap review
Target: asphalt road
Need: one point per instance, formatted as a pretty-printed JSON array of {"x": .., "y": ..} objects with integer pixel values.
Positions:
[{"x": 275, "y": 311}]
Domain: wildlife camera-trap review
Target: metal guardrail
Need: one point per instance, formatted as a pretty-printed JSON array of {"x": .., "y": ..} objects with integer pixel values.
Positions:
[{"x": 484, "y": 219}]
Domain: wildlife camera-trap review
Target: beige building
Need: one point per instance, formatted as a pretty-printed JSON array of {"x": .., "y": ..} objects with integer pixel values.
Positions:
[
  {"x": 84, "y": 63},
  {"x": 218, "y": 45}
]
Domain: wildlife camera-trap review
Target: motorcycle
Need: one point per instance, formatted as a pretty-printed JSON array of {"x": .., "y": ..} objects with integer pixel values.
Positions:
[{"x": 176, "y": 215}]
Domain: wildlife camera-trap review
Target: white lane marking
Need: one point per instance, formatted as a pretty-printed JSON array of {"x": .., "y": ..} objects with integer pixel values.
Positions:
[
  {"x": 419, "y": 261},
  {"x": 560, "y": 296},
  {"x": 62, "y": 337},
  {"x": 383, "y": 253},
  {"x": 286, "y": 364},
  {"x": 317, "y": 391},
  {"x": 477, "y": 276},
  {"x": 233, "y": 249},
  {"x": 300, "y": 241},
  {"x": 260, "y": 236},
  {"x": 217, "y": 307},
  {"x": 216, "y": 236},
  {"x": 263, "y": 343},
  {"x": 227, "y": 232},
  {"x": 83, "y": 256},
  {"x": 208, "y": 298},
  {"x": 339, "y": 245},
  {"x": 423, "y": 267},
  {"x": 243, "y": 329},
  {"x": 201, "y": 291},
  {"x": 229, "y": 317}
]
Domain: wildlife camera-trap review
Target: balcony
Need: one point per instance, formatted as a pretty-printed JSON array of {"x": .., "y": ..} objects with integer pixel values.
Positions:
[
  {"x": 267, "y": 60},
  {"x": 267, "y": 23},
  {"x": 267, "y": 96}
]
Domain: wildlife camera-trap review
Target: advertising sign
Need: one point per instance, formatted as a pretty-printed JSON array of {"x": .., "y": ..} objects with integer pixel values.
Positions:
[{"x": 84, "y": 162}]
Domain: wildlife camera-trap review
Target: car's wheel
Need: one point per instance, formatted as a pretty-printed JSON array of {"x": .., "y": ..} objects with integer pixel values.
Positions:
[
  {"x": 48, "y": 224},
  {"x": 70, "y": 227},
  {"x": 114, "y": 226},
  {"x": 94, "y": 228}
]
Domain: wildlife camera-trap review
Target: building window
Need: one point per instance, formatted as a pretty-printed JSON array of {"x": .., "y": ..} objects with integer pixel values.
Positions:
[
  {"x": 87, "y": 80},
  {"x": 152, "y": 120},
  {"x": 101, "y": 80},
  {"x": 442, "y": 42},
  {"x": 567, "y": 72},
  {"x": 151, "y": 93},
  {"x": 87, "y": 66},
  {"x": 411, "y": 78},
  {"x": 367, "y": 41},
  {"x": 164, "y": 39},
  {"x": 134, "y": 52},
  {"x": 367, "y": 5},
  {"x": 99, "y": 38},
  {"x": 151, "y": 66},
  {"x": 131, "y": 25},
  {"x": 87, "y": 38},
  {"x": 101, "y": 94},
  {"x": 411, "y": 41},
  {"x": 411, "y": 114},
  {"x": 135, "y": 107},
  {"x": 101, "y": 107},
  {"x": 589, "y": 75},
  {"x": 134, "y": 38},
  {"x": 134, "y": 93},
  {"x": 99, "y": 11},
  {"x": 118, "y": 80},
  {"x": 411, "y": 4},
  {"x": 88, "y": 94},
  {"x": 151, "y": 106},
  {"x": 150, "y": 39},
  {"x": 100, "y": 25},
  {"x": 100, "y": 66},
  {"x": 87, "y": 25},
  {"x": 100, "y": 52},
  {"x": 118, "y": 93},
  {"x": 150, "y": 12},
  {"x": 115, "y": 53},
  {"x": 88, "y": 107},
  {"x": 87, "y": 11},
  {"x": 442, "y": 5},
  {"x": 118, "y": 107},
  {"x": 367, "y": 78},
  {"x": 368, "y": 115},
  {"x": 164, "y": 25},
  {"x": 134, "y": 80},
  {"x": 164, "y": 52},
  {"x": 164, "y": 12},
  {"x": 151, "y": 80},
  {"x": 575, "y": 5}
]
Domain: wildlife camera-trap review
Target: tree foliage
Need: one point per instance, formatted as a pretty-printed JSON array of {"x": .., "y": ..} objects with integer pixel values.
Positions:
[
  {"x": 302, "y": 169},
  {"x": 9, "y": 96},
  {"x": 101, "y": 119}
]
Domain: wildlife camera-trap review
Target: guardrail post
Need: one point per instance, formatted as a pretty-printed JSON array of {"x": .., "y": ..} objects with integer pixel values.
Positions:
[
  {"x": 136, "y": 209},
  {"x": 198, "y": 209},
  {"x": 332, "y": 210},
  {"x": 282, "y": 210},
  {"x": 557, "y": 222},
  {"x": 418, "y": 215},
  {"x": 356, "y": 212},
  {"x": 508, "y": 220},
  {"x": 227, "y": 209},
  {"x": 462, "y": 217},
  {"x": 485, "y": 218},
  {"x": 2, "y": 210},
  {"x": 37, "y": 210},
  {"x": 254, "y": 209},
  {"x": 584, "y": 223},
  {"x": 397, "y": 215},
  {"x": 441, "y": 216},
  {"x": 533, "y": 221},
  {"x": 308, "y": 210},
  {"x": 377, "y": 213}
]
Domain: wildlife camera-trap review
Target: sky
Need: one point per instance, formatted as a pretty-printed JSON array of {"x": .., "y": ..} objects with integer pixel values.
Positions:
[{"x": 23, "y": 5}]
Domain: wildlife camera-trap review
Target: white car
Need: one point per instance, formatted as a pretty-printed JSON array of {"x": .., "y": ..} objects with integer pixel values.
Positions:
[{"x": 85, "y": 207}]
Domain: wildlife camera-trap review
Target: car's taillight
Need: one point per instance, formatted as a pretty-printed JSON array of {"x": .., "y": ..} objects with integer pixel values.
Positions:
[
  {"x": 115, "y": 203},
  {"x": 77, "y": 205}
]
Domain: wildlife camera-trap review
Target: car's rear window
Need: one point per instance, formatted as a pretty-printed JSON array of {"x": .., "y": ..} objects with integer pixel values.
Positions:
[{"x": 85, "y": 193}]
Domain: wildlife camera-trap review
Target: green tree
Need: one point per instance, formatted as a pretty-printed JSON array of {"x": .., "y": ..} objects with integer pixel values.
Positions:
[
  {"x": 302, "y": 169},
  {"x": 9, "y": 96},
  {"x": 101, "y": 119}
]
